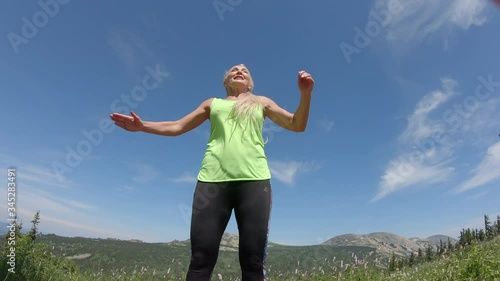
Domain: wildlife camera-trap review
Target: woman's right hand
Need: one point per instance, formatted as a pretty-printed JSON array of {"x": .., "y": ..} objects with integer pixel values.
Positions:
[{"x": 131, "y": 123}]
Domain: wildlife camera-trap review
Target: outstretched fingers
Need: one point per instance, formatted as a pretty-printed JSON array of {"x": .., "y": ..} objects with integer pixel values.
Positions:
[
  {"x": 131, "y": 123},
  {"x": 121, "y": 120}
]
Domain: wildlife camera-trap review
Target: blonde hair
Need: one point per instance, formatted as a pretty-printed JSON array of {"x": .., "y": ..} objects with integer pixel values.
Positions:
[{"x": 246, "y": 107}]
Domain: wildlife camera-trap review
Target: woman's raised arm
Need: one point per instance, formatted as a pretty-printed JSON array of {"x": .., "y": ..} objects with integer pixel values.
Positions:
[
  {"x": 133, "y": 123},
  {"x": 297, "y": 121}
]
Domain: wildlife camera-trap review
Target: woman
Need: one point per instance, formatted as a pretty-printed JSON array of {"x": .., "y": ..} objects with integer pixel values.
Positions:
[{"x": 234, "y": 173}]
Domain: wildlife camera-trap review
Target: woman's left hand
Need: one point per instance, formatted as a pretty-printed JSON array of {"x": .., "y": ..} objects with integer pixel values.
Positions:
[{"x": 305, "y": 82}]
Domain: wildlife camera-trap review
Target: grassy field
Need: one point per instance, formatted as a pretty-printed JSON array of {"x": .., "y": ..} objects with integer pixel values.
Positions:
[
  {"x": 479, "y": 261},
  {"x": 32, "y": 257},
  {"x": 107, "y": 256}
]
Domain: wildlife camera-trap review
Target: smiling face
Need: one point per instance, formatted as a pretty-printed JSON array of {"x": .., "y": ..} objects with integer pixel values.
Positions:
[{"x": 238, "y": 78}]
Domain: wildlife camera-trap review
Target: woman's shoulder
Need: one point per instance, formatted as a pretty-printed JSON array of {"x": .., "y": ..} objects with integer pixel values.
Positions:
[
  {"x": 260, "y": 97},
  {"x": 264, "y": 100},
  {"x": 209, "y": 103}
]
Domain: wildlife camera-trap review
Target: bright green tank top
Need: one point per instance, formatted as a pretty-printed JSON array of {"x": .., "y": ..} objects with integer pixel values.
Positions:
[{"x": 235, "y": 149}]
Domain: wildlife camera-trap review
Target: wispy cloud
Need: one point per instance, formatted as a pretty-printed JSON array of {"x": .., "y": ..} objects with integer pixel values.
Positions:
[
  {"x": 60, "y": 212},
  {"x": 437, "y": 133},
  {"x": 466, "y": 13},
  {"x": 131, "y": 50},
  {"x": 123, "y": 50},
  {"x": 144, "y": 173},
  {"x": 34, "y": 174},
  {"x": 326, "y": 124},
  {"x": 37, "y": 183},
  {"x": 423, "y": 160},
  {"x": 125, "y": 188},
  {"x": 422, "y": 18},
  {"x": 401, "y": 175},
  {"x": 478, "y": 196},
  {"x": 72, "y": 227},
  {"x": 419, "y": 125},
  {"x": 486, "y": 172},
  {"x": 287, "y": 172},
  {"x": 186, "y": 177},
  {"x": 49, "y": 202},
  {"x": 77, "y": 204}
]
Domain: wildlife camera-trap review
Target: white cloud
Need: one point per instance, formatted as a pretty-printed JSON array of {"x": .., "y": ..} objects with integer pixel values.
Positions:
[
  {"x": 61, "y": 215},
  {"x": 34, "y": 174},
  {"x": 419, "y": 125},
  {"x": 478, "y": 196},
  {"x": 438, "y": 133},
  {"x": 131, "y": 50},
  {"x": 49, "y": 203},
  {"x": 144, "y": 173},
  {"x": 73, "y": 227},
  {"x": 422, "y": 18},
  {"x": 287, "y": 172},
  {"x": 186, "y": 177},
  {"x": 123, "y": 49},
  {"x": 423, "y": 160},
  {"x": 400, "y": 175},
  {"x": 36, "y": 181},
  {"x": 125, "y": 188},
  {"x": 326, "y": 125},
  {"x": 466, "y": 13},
  {"x": 77, "y": 204},
  {"x": 486, "y": 172}
]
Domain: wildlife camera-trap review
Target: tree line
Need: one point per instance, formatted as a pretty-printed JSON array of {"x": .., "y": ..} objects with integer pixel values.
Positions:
[{"x": 467, "y": 237}]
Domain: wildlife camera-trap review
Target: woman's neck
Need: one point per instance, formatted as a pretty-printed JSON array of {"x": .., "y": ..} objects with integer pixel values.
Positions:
[{"x": 232, "y": 96}]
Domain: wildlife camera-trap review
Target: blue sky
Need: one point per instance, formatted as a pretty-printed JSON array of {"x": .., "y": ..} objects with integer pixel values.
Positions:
[{"x": 402, "y": 135}]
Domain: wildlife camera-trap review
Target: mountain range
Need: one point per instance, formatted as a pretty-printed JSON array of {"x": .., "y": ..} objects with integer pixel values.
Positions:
[
  {"x": 113, "y": 255},
  {"x": 384, "y": 243},
  {"x": 387, "y": 243}
]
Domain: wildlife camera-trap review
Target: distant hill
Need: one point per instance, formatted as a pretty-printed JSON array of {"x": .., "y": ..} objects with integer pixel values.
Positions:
[
  {"x": 110, "y": 255},
  {"x": 229, "y": 242},
  {"x": 387, "y": 243},
  {"x": 436, "y": 239}
]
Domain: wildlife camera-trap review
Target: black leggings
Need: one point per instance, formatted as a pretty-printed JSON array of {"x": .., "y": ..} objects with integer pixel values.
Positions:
[{"x": 212, "y": 207}]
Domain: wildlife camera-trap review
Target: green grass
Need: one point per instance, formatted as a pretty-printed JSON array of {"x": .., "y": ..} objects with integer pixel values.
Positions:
[
  {"x": 110, "y": 255},
  {"x": 475, "y": 262},
  {"x": 35, "y": 262},
  {"x": 110, "y": 260}
]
